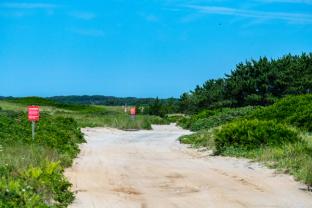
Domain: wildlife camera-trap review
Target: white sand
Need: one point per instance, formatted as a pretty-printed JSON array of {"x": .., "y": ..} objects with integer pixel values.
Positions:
[{"x": 151, "y": 169}]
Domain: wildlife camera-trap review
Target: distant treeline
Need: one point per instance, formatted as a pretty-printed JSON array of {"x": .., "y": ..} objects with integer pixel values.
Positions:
[
  {"x": 255, "y": 82},
  {"x": 107, "y": 100}
]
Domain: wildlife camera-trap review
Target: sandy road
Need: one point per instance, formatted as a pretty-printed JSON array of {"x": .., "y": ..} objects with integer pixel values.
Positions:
[{"x": 143, "y": 169}]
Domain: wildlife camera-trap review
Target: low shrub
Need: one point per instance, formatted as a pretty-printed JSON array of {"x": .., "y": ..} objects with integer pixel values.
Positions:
[
  {"x": 221, "y": 117},
  {"x": 58, "y": 133},
  {"x": 31, "y": 171},
  {"x": 212, "y": 118},
  {"x": 295, "y": 110},
  {"x": 200, "y": 139},
  {"x": 36, "y": 187},
  {"x": 174, "y": 118},
  {"x": 308, "y": 176},
  {"x": 251, "y": 134},
  {"x": 187, "y": 121}
]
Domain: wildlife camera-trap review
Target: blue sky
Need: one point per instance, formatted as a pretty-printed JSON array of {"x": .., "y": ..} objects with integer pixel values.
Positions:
[{"x": 143, "y": 48}]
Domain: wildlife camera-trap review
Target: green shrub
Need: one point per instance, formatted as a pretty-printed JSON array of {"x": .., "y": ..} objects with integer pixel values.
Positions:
[
  {"x": 58, "y": 133},
  {"x": 199, "y": 139},
  {"x": 174, "y": 118},
  {"x": 29, "y": 173},
  {"x": 308, "y": 176},
  {"x": 187, "y": 122},
  {"x": 36, "y": 187},
  {"x": 250, "y": 134},
  {"x": 212, "y": 118},
  {"x": 293, "y": 110}
]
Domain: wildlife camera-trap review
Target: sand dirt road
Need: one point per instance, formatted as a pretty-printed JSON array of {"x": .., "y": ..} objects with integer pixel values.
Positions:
[{"x": 143, "y": 169}]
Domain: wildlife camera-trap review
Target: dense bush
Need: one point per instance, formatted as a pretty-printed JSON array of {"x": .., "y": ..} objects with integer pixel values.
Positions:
[
  {"x": 61, "y": 134},
  {"x": 36, "y": 187},
  {"x": 187, "y": 122},
  {"x": 250, "y": 134},
  {"x": 30, "y": 175},
  {"x": 212, "y": 118},
  {"x": 293, "y": 110}
]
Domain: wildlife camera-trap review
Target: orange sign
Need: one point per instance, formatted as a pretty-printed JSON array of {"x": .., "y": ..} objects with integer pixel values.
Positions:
[{"x": 133, "y": 111}]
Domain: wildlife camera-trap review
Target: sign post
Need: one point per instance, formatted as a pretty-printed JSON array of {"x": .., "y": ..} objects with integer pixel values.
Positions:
[
  {"x": 33, "y": 116},
  {"x": 33, "y": 125}
]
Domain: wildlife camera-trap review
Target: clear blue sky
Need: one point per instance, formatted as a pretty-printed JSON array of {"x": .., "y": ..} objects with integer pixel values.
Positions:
[{"x": 143, "y": 48}]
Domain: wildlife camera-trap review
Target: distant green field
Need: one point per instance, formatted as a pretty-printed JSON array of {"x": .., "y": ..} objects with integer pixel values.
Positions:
[
  {"x": 86, "y": 115},
  {"x": 12, "y": 106}
]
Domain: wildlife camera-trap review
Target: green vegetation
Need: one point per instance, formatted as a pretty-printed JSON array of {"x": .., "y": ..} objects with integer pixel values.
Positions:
[
  {"x": 108, "y": 100},
  {"x": 49, "y": 103},
  {"x": 203, "y": 138},
  {"x": 260, "y": 82},
  {"x": 114, "y": 120},
  {"x": 174, "y": 117},
  {"x": 252, "y": 134},
  {"x": 207, "y": 119},
  {"x": 293, "y": 110},
  {"x": 31, "y": 171},
  {"x": 162, "y": 107}
]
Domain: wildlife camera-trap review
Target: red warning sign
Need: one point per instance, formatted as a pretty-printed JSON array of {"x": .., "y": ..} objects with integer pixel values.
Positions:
[
  {"x": 33, "y": 113},
  {"x": 133, "y": 111}
]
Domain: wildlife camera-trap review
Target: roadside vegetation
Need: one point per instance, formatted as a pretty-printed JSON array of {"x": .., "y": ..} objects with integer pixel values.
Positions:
[
  {"x": 86, "y": 115},
  {"x": 261, "y": 111},
  {"x": 31, "y": 172},
  {"x": 207, "y": 119}
]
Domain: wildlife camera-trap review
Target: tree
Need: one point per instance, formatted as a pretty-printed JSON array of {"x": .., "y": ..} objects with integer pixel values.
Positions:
[{"x": 255, "y": 82}]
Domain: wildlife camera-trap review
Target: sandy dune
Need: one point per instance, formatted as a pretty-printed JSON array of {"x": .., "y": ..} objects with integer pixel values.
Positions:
[{"x": 143, "y": 169}]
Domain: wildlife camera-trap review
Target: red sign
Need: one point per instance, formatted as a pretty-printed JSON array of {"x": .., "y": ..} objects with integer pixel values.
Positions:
[
  {"x": 33, "y": 113},
  {"x": 133, "y": 111}
]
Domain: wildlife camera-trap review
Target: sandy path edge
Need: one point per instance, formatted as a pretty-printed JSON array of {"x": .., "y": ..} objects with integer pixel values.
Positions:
[{"x": 151, "y": 169}]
